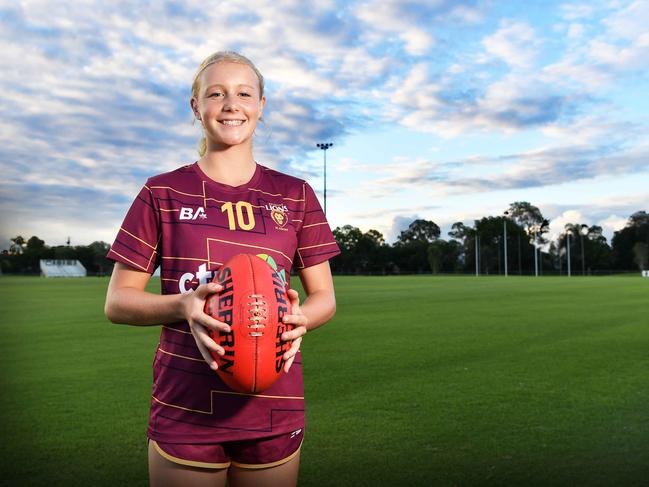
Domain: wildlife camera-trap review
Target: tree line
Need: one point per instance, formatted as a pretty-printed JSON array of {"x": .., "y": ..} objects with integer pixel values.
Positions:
[
  {"x": 515, "y": 242},
  {"x": 23, "y": 256}
]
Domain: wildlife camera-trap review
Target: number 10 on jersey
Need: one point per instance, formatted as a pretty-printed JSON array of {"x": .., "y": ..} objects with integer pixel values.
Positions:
[{"x": 239, "y": 214}]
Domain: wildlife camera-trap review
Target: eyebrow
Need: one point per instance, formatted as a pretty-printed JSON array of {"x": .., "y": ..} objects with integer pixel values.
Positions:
[{"x": 219, "y": 85}]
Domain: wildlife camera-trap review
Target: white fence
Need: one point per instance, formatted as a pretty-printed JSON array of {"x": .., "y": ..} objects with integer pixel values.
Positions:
[{"x": 62, "y": 268}]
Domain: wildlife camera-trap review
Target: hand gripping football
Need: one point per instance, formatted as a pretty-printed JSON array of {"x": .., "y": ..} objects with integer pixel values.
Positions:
[{"x": 253, "y": 301}]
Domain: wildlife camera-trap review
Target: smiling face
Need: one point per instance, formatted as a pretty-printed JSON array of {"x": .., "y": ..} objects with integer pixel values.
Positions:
[{"x": 228, "y": 104}]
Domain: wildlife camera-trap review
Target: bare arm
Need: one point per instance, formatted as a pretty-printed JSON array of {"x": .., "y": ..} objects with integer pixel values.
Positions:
[
  {"x": 318, "y": 308},
  {"x": 128, "y": 302},
  {"x": 320, "y": 303}
]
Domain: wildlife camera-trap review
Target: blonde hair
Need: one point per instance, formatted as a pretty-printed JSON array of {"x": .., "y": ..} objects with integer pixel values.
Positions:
[{"x": 222, "y": 57}]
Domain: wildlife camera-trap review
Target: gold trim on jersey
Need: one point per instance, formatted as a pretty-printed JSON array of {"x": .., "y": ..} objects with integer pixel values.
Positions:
[
  {"x": 205, "y": 198},
  {"x": 176, "y": 191},
  {"x": 315, "y": 224},
  {"x": 266, "y": 396},
  {"x": 274, "y": 194},
  {"x": 265, "y": 192},
  {"x": 139, "y": 239},
  {"x": 181, "y": 356},
  {"x": 212, "y": 392},
  {"x": 184, "y": 258},
  {"x": 230, "y": 201},
  {"x": 189, "y": 463},
  {"x": 176, "y": 329},
  {"x": 314, "y": 246},
  {"x": 184, "y": 408},
  {"x": 242, "y": 245},
  {"x": 145, "y": 269},
  {"x": 299, "y": 251}
]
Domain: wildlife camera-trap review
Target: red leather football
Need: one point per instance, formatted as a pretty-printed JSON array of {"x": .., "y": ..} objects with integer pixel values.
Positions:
[{"x": 253, "y": 301}]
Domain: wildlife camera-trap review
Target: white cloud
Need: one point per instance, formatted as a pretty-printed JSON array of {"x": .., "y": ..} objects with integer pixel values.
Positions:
[
  {"x": 515, "y": 43},
  {"x": 417, "y": 90},
  {"x": 399, "y": 224},
  {"x": 542, "y": 167},
  {"x": 417, "y": 41},
  {"x": 292, "y": 74},
  {"x": 612, "y": 224},
  {"x": 558, "y": 223},
  {"x": 468, "y": 14},
  {"x": 592, "y": 129},
  {"x": 630, "y": 22},
  {"x": 609, "y": 211},
  {"x": 602, "y": 61},
  {"x": 100, "y": 99},
  {"x": 573, "y": 72},
  {"x": 425, "y": 102},
  {"x": 413, "y": 22},
  {"x": 634, "y": 56},
  {"x": 577, "y": 11}
]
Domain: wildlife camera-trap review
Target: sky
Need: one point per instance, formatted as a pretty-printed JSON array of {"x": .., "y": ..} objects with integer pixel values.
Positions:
[{"x": 443, "y": 110}]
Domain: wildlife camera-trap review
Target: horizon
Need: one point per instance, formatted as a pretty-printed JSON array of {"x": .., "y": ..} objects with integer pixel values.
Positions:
[{"x": 446, "y": 111}]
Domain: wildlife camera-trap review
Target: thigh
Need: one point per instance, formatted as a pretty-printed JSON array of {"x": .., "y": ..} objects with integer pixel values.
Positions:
[
  {"x": 165, "y": 473},
  {"x": 284, "y": 475}
]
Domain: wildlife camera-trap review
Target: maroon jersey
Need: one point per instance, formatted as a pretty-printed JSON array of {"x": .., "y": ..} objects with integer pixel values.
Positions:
[{"x": 188, "y": 225}]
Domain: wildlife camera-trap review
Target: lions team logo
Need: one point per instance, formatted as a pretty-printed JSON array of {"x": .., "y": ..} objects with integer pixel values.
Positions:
[
  {"x": 279, "y": 217},
  {"x": 279, "y": 214}
]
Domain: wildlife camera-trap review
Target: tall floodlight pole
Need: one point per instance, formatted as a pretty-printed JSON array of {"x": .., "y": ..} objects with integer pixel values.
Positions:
[
  {"x": 477, "y": 249},
  {"x": 324, "y": 148},
  {"x": 583, "y": 259},
  {"x": 477, "y": 254},
  {"x": 536, "y": 259},
  {"x": 568, "y": 237},
  {"x": 535, "y": 229},
  {"x": 505, "y": 239}
]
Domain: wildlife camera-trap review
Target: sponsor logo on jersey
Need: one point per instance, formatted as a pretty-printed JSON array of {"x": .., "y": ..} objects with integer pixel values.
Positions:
[
  {"x": 202, "y": 275},
  {"x": 279, "y": 214},
  {"x": 191, "y": 214}
]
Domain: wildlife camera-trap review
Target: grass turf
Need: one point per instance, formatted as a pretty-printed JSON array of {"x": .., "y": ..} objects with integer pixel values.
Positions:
[{"x": 417, "y": 381}]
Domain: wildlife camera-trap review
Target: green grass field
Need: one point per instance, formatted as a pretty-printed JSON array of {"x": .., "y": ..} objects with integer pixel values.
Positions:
[{"x": 417, "y": 381}]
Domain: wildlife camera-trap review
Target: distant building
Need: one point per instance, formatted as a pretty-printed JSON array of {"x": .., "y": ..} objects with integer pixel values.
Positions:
[{"x": 62, "y": 268}]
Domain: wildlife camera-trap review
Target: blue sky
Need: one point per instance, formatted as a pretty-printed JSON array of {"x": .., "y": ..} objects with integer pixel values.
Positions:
[{"x": 444, "y": 110}]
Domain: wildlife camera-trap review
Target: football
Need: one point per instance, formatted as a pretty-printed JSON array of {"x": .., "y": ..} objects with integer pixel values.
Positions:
[{"x": 253, "y": 301}]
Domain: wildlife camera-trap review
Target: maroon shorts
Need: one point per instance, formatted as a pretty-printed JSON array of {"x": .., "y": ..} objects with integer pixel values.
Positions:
[{"x": 257, "y": 453}]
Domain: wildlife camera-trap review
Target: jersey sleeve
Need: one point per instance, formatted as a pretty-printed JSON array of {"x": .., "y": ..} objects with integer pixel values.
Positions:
[
  {"x": 315, "y": 242},
  {"x": 136, "y": 244}
]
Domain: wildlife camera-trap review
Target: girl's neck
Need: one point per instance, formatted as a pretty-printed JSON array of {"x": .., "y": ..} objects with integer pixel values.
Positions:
[{"x": 230, "y": 166}]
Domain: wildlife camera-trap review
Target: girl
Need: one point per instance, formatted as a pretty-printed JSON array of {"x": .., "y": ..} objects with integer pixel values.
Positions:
[{"x": 188, "y": 222}]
